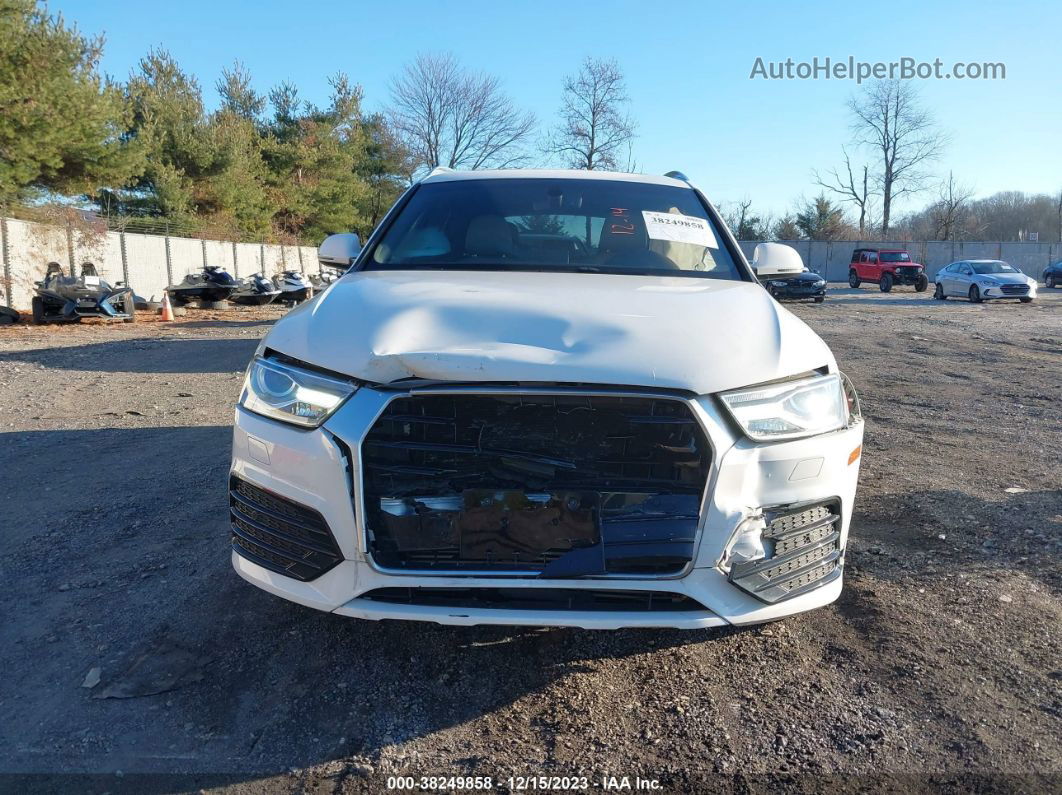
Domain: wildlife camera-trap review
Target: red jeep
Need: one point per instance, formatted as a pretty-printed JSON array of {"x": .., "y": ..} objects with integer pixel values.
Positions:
[{"x": 886, "y": 267}]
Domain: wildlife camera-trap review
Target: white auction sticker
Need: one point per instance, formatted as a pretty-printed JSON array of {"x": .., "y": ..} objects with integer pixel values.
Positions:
[{"x": 679, "y": 228}]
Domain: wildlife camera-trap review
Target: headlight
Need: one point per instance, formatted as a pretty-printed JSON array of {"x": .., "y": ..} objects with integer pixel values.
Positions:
[
  {"x": 790, "y": 409},
  {"x": 776, "y": 283},
  {"x": 291, "y": 394}
]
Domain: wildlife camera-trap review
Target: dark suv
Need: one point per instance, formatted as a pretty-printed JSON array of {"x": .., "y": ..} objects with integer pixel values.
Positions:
[
  {"x": 1053, "y": 274},
  {"x": 886, "y": 267}
]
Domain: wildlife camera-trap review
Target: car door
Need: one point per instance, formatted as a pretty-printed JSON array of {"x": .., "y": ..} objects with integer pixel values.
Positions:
[
  {"x": 962, "y": 280},
  {"x": 946, "y": 278},
  {"x": 866, "y": 270}
]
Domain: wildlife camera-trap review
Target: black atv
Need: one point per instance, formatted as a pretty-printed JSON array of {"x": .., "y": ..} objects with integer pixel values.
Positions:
[{"x": 67, "y": 299}]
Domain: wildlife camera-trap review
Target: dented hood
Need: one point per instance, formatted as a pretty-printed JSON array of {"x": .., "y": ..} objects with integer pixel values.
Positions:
[{"x": 699, "y": 335}]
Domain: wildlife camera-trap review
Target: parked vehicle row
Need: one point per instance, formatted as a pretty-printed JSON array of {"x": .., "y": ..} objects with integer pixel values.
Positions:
[
  {"x": 213, "y": 284},
  {"x": 60, "y": 298},
  {"x": 976, "y": 279}
]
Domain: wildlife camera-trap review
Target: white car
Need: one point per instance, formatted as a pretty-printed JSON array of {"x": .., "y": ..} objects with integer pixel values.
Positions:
[
  {"x": 983, "y": 279},
  {"x": 546, "y": 398}
]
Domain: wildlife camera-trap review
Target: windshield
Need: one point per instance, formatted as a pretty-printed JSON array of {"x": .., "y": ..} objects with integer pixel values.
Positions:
[
  {"x": 895, "y": 256},
  {"x": 609, "y": 226},
  {"x": 993, "y": 267}
]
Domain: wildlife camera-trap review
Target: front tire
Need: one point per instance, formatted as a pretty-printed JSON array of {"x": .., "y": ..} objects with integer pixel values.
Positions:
[
  {"x": 921, "y": 284},
  {"x": 938, "y": 293},
  {"x": 819, "y": 299},
  {"x": 1049, "y": 280},
  {"x": 38, "y": 310},
  {"x": 1025, "y": 300},
  {"x": 975, "y": 294},
  {"x": 853, "y": 279},
  {"x": 885, "y": 285}
]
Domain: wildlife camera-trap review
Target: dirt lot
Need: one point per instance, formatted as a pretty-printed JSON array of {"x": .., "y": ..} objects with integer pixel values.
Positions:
[{"x": 940, "y": 666}]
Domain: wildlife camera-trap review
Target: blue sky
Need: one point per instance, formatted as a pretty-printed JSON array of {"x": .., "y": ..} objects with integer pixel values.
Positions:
[{"x": 687, "y": 65}]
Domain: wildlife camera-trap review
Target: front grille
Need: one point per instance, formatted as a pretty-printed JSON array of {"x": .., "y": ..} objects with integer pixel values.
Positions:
[
  {"x": 1014, "y": 289},
  {"x": 803, "y": 551},
  {"x": 280, "y": 534},
  {"x": 591, "y": 600},
  {"x": 907, "y": 270},
  {"x": 560, "y": 485}
]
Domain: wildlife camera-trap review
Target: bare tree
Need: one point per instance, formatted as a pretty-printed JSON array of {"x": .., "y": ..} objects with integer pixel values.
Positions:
[
  {"x": 950, "y": 210},
  {"x": 903, "y": 136},
  {"x": 595, "y": 128},
  {"x": 849, "y": 188},
  {"x": 736, "y": 214},
  {"x": 448, "y": 116}
]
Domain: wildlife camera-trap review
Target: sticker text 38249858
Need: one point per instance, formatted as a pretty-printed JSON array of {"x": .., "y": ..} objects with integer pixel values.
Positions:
[{"x": 679, "y": 228}]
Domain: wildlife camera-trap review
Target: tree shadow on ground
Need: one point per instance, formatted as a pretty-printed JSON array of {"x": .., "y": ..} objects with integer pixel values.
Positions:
[{"x": 145, "y": 355}]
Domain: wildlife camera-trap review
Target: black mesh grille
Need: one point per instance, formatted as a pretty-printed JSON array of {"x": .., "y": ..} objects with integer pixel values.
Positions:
[
  {"x": 802, "y": 548},
  {"x": 537, "y": 599},
  {"x": 1014, "y": 289},
  {"x": 279, "y": 534},
  {"x": 641, "y": 462}
]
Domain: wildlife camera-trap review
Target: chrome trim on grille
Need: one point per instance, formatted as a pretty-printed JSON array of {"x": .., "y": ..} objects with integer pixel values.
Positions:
[{"x": 377, "y": 400}]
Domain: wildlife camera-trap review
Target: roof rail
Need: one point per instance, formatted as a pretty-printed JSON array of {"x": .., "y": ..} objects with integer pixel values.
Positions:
[
  {"x": 677, "y": 175},
  {"x": 439, "y": 170}
]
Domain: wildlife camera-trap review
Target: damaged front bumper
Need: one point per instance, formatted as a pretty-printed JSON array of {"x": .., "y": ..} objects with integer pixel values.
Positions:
[{"x": 726, "y": 561}]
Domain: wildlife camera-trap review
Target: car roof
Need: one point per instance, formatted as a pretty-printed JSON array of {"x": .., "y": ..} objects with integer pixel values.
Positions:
[{"x": 440, "y": 175}]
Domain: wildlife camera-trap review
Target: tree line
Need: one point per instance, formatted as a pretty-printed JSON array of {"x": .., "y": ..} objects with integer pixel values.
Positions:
[
  {"x": 894, "y": 145},
  {"x": 274, "y": 166},
  {"x": 263, "y": 166}
]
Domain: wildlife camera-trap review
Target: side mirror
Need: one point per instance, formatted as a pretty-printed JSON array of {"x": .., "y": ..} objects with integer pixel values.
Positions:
[
  {"x": 339, "y": 251},
  {"x": 776, "y": 259}
]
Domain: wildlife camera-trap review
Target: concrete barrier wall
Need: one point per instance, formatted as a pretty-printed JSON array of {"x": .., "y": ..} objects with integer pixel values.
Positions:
[
  {"x": 831, "y": 259},
  {"x": 149, "y": 264}
]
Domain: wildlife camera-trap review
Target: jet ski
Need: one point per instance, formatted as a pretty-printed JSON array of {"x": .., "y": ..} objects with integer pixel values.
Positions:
[
  {"x": 7, "y": 314},
  {"x": 293, "y": 287},
  {"x": 211, "y": 284},
  {"x": 255, "y": 290},
  {"x": 70, "y": 298},
  {"x": 319, "y": 281}
]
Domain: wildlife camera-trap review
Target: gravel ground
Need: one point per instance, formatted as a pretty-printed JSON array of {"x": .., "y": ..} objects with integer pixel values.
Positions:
[{"x": 939, "y": 668}]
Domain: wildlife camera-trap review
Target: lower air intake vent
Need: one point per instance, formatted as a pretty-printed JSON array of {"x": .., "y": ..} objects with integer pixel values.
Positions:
[
  {"x": 538, "y": 599},
  {"x": 803, "y": 551},
  {"x": 279, "y": 534}
]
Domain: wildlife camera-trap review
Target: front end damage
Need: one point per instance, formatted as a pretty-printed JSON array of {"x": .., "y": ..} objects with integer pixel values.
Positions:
[{"x": 564, "y": 506}]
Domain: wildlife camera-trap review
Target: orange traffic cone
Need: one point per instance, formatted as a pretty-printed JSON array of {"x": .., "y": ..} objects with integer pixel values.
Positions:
[{"x": 167, "y": 310}]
